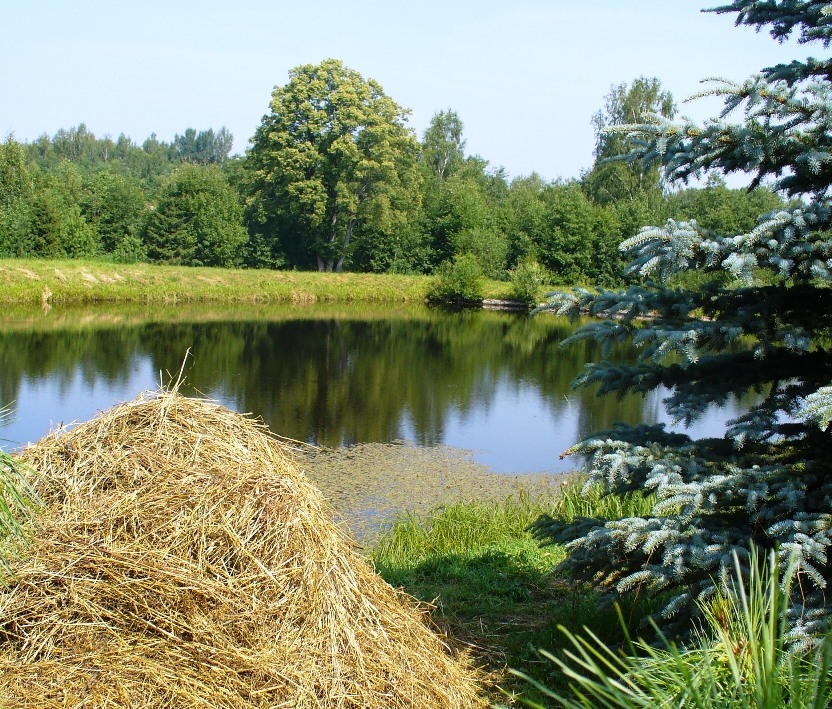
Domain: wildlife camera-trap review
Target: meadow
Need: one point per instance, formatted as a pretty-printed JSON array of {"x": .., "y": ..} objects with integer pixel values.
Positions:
[{"x": 37, "y": 281}]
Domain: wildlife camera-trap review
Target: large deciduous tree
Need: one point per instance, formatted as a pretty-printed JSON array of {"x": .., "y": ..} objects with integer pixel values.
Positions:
[
  {"x": 758, "y": 329},
  {"x": 333, "y": 154}
]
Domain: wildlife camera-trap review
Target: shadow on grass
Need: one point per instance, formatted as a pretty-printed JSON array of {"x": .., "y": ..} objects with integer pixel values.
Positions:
[
  {"x": 505, "y": 605},
  {"x": 492, "y": 585}
]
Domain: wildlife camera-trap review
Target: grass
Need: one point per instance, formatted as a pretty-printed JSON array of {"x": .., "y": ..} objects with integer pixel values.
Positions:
[
  {"x": 18, "y": 505},
  {"x": 552, "y": 643},
  {"x": 491, "y": 582},
  {"x": 35, "y": 282},
  {"x": 739, "y": 659}
]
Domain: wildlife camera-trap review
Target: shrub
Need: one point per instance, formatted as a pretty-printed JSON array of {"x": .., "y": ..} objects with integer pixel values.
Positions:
[
  {"x": 527, "y": 279},
  {"x": 458, "y": 282}
]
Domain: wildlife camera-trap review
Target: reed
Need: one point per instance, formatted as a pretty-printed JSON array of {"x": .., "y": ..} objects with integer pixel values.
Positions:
[{"x": 18, "y": 507}]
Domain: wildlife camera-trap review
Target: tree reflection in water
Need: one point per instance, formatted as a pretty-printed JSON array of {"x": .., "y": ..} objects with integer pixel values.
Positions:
[{"x": 498, "y": 383}]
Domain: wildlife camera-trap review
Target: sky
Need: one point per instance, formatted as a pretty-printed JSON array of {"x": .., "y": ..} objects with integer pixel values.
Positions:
[{"x": 524, "y": 76}]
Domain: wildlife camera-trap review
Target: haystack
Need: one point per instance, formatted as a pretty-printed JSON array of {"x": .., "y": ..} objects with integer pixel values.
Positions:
[{"x": 184, "y": 560}]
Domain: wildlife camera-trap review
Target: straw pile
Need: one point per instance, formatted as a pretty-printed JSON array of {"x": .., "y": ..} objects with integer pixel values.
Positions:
[{"x": 184, "y": 560}]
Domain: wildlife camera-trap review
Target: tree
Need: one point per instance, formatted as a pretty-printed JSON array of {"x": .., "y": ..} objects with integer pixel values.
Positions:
[
  {"x": 114, "y": 206},
  {"x": 15, "y": 198},
  {"x": 459, "y": 218},
  {"x": 197, "y": 221},
  {"x": 56, "y": 226},
  {"x": 204, "y": 147},
  {"x": 77, "y": 145},
  {"x": 443, "y": 148},
  {"x": 610, "y": 179},
  {"x": 577, "y": 239},
  {"x": 526, "y": 217},
  {"x": 762, "y": 337},
  {"x": 334, "y": 153},
  {"x": 154, "y": 160},
  {"x": 566, "y": 247}
]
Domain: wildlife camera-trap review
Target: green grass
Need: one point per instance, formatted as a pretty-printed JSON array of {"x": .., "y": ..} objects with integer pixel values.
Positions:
[
  {"x": 492, "y": 584},
  {"x": 18, "y": 505},
  {"x": 739, "y": 659},
  {"x": 28, "y": 281},
  {"x": 553, "y": 643}
]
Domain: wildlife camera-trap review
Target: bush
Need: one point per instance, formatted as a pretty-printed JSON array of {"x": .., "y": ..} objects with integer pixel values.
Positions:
[
  {"x": 527, "y": 279},
  {"x": 130, "y": 249},
  {"x": 458, "y": 282}
]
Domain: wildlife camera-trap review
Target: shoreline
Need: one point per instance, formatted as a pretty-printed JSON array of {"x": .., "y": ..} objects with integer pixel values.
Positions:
[{"x": 370, "y": 485}]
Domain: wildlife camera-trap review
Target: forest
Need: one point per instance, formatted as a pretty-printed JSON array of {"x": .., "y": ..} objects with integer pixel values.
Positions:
[{"x": 334, "y": 179}]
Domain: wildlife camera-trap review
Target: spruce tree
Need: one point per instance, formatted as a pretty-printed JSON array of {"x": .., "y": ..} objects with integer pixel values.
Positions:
[{"x": 757, "y": 327}]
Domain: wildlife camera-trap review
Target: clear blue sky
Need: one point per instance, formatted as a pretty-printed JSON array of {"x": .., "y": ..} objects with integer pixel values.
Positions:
[{"x": 525, "y": 76}]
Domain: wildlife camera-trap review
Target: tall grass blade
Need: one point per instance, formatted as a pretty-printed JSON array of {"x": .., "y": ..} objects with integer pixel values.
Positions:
[
  {"x": 740, "y": 659},
  {"x": 18, "y": 505}
]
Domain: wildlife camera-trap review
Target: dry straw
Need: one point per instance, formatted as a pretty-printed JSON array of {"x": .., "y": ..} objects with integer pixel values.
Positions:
[{"x": 186, "y": 561}]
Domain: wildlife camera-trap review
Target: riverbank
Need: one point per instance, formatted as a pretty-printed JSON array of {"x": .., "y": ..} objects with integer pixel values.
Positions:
[
  {"x": 371, "y": 484},
  {"x": 48, "y": 283}
]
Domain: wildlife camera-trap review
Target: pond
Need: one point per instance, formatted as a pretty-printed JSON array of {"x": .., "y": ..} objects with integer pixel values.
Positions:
[{"x": 496, "y": 384}]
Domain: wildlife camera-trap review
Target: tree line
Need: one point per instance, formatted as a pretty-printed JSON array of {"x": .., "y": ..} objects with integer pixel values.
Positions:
[{"x": 335, "y": 179}]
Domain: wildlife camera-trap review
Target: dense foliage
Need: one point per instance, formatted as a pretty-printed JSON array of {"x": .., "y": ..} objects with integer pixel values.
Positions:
[
  {"x": 197, "y": 221},
  {"x": 755, "y": 328},
  {"x": 335, "y": 179},
  {"x": 333, "y": 156}
]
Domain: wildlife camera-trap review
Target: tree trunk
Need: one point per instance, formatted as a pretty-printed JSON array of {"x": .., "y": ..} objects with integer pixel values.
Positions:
[
  {"x": 333, "y": 237},
  {"x": 347, "y": 237}
]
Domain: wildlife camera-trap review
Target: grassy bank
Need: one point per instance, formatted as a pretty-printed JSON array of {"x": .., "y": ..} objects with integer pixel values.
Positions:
[
  {"x": 493, "y": 587},
  {"x": 32, "y": 282},
  {"x": 491, "y": 582}
]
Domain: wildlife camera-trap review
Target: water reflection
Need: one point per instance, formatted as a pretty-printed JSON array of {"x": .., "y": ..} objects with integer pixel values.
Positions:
[{"x": 495, "y": 383}]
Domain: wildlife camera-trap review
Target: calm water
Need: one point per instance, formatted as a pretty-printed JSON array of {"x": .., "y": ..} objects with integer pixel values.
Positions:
[{"x": 494, "y": 383}]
